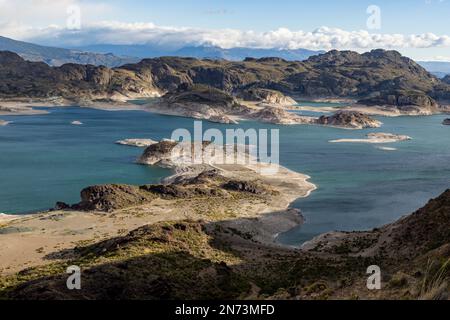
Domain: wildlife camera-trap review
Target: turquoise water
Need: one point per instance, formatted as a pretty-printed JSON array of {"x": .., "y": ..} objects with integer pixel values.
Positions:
[{"x": 44, "y": 159}]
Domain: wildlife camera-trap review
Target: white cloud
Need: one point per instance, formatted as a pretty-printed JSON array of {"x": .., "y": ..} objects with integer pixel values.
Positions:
[
  {"x": 45, "y": 21},
  {"x": 141, "y": 33}
]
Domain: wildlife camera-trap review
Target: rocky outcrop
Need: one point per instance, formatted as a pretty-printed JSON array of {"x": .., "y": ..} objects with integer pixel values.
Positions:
[
  {"x": 201, "y": 102},
  {"x": 141, "y": 143},
  {"x": 111, "y": 197},
  {"x": 24, "y": 79},
  {"x": 446, "y": 122},
  {"x": 349, "y": 119},
  {"x": 253, "y": 187},
  {"x": 278, "y": 115},
  {"x": 268, "y": 96}
]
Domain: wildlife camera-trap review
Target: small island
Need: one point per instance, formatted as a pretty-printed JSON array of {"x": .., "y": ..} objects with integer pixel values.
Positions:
[
  {"x": 140, "y": 143},
  {"x": 377, "y": 138},
  {"x": 350, "y": 120}
]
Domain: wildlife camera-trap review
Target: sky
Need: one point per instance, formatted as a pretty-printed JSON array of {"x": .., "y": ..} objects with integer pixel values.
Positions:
[{"x": 417, "y": 28}]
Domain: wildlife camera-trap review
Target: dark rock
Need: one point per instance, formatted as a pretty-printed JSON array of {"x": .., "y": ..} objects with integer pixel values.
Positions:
[
  {"x": 111, "y": 197},
  {"x": 62, "y": 206},
  {"x": 349, "y": 119},
  {"x": 446, "y": 122},
  {"x": 246, "y": 186}
]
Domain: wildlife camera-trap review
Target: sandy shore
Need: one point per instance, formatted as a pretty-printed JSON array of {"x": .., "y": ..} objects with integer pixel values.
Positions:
[
  {"x": 7, "y": 218},
  {"x": 28, "y": 241}
]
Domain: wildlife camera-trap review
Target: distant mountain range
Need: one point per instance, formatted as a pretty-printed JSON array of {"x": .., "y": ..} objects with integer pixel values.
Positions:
[
  {"x": 117, "y": 55},
  {"x": 58, "y": 56},
  {"x": 374, "y": 78},
  {"x": 201, "y": 52},
  {"x": 438, "y": 68}
]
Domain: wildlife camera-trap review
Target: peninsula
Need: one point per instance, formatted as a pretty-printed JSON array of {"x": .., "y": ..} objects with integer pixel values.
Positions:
[{"x": 209, "y": 232}]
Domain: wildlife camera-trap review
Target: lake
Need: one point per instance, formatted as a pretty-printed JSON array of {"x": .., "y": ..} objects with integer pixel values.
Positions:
[{"x": 44, "y": 159}]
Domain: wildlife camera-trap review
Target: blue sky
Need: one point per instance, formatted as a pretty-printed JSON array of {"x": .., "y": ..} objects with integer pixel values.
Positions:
[
  {"x": 418, "y": 28},
  {"x": 398, "y": 16}
]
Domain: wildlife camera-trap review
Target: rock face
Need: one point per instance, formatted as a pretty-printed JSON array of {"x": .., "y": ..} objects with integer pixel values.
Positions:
[
  {"x": 412, "y": 103},
  {"x": 446, "y": 122},
  {"x": 246, "y": 186},
  {"x": 202, "y": 102},
  {"x": 349, "y": 119},
  {"x": 376, "y": 77},
  {"x": 272, "y": 97}
]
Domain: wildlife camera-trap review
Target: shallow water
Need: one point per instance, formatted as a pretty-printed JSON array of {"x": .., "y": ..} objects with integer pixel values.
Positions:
[{"x": 44, "y": 159}]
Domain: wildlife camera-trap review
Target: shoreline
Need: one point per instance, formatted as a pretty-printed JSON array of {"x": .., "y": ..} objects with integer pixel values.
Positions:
[{"x": 39, "y": 234}]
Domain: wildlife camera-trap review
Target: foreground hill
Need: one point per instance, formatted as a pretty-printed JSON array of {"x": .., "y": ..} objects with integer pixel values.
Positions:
[
  {"x": 376, "y": 78},
  {"x": 58, "y": 56}
]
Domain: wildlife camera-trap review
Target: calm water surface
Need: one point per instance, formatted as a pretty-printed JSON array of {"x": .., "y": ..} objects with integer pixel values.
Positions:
[{"x": 44, "y": 159}]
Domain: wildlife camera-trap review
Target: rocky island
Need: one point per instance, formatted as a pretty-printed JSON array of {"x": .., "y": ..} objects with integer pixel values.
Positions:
[
  {"x": 377, "y": 138},
  {"x": 349, "y": 119},
  {"x": 208, "y": 103},
  {"x": 141, "y": 143}
]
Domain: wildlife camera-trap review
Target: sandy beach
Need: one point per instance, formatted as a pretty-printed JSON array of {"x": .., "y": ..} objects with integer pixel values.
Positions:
[{"x": 31, "y": 240}]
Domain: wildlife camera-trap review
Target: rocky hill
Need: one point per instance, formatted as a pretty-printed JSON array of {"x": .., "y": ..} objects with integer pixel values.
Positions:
[
  {"x": 59, "y": 56},
  {"x": 375, "y": 78}
]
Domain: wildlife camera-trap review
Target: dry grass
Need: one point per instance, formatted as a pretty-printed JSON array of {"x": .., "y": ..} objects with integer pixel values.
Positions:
[{"x": 435, "y": 285}]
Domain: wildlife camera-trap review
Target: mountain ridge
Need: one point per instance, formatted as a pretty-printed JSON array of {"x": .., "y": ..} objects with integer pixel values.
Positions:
[
  {"x": 58, "y": 56},
  {"x": 377, "y": 77}
]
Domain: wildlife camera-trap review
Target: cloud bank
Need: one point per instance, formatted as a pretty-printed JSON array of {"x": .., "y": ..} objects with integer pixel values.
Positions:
[
  {"x": 45, "y": 21},
  {"x": 112, "y": 32}
]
